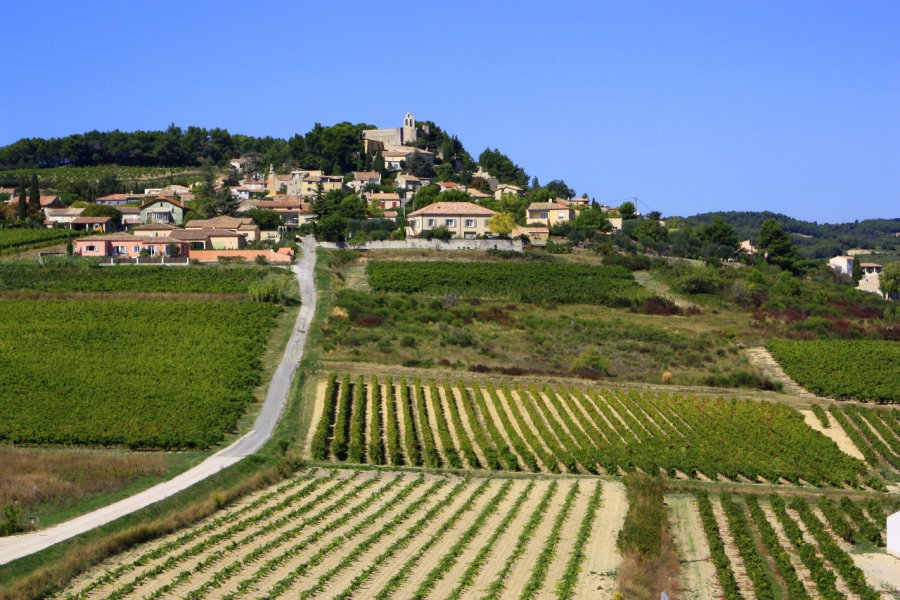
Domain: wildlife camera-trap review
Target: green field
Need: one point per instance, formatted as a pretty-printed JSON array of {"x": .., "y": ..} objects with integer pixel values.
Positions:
[
  {"x": 196, "y": 279},
  {"x": 141, "y": 374},
  {"x": 518, "y": 281},
  {"x": 12, "y": 239},
  {"x": 858, "y": 369}
]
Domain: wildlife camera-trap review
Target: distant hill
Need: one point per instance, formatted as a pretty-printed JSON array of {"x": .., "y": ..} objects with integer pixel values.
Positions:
[{"x": 814, "y": 240}]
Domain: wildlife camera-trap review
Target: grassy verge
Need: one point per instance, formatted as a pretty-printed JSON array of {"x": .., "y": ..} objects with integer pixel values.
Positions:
[{"x": 650, "y": 563}]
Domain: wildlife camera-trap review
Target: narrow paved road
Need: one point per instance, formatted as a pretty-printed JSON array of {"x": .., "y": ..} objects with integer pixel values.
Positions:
[{"x": 14, "y": 547}]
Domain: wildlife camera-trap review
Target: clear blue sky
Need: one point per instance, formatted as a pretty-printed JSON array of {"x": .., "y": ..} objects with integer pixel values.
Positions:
[{"x": 691, "y": 106}]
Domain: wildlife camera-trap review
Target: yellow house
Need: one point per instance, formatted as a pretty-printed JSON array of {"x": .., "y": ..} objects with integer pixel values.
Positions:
[
  {"x": 548, "y": 213},
  {"x": 463, "y": 219}
]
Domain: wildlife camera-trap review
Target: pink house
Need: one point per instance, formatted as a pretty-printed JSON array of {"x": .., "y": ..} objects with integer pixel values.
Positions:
[{"x": 127, "y": 245}]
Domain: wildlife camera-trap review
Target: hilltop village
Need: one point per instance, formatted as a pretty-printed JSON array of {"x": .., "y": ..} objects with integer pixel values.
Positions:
[{"x": 364, "y": 363}]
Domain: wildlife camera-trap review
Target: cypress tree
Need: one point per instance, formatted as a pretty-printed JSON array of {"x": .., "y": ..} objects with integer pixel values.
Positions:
[
  {"x": 857, "y": 271},
  {"x": 22, "y": 207},
  {"x": 35, "y": 194}
]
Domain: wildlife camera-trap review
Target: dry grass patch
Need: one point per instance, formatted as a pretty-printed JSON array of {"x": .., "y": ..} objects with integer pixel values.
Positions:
[{"x": 31, "y": 477}]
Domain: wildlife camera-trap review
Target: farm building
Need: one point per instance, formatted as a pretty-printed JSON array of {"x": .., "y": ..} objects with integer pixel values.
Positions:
[{"x": 893, "y": 534}]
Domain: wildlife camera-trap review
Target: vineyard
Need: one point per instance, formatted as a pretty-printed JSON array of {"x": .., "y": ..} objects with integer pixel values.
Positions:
[
  {"x": 875, "y": 433},
  {"x": 569, "y": 430},
  {"x": 385, "y": 535},
  {"x": 67, "y": 178},
  {"x": 199, "y": 279},
  {"x": 11, "y": 239},
  {"x": 858, "y": 369},
  {"x": 785, "y": 547},
  {"x": 141, "y": 374},
  {"x": 518, "y": 281}
]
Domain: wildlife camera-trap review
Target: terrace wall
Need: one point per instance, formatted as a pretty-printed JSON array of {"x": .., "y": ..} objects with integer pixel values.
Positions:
[{"x": 515, "y": 245}]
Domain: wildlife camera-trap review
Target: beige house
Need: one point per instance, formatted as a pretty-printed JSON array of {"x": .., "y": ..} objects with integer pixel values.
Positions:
[
  {"x": 154, "y": 230},
  {"x": 302, "y": 183},
  {"x": 363, "y": 178},
  {"x": 209, "y": 239},
  {"x": 241, "y": 225},
  {"x": 548, "y": 213},
  {"x": 395, "y": 159},
  {"x": 505, "y": 188},
  {"x": 537, "y": 234},
  {"x": 409, "y": 183},
  {"x": 384, "y": 200},
  {"x": 61, "y": 216},
  {"x": 462, "y": 219}
]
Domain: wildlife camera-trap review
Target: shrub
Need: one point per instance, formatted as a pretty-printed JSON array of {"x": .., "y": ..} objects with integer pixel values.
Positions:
[
  {"x": 273, "y": 290},
  {"x": 698, "y": 280},
  {"x": 591, "y": 359}
]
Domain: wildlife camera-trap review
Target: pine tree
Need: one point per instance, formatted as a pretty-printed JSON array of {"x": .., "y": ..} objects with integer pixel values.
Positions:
[{"x": 35, "y": 194}]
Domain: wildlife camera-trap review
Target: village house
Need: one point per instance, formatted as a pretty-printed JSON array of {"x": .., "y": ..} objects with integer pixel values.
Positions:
[
  {"x": 46, "y": 200},
  {"x": 245, "y": 192},
  {"x": 384, "y": 200},
  {"x": 842, "y": 264},
  {"x": 303, "y": 183},
  {"x": 363, "y": 178},
  {"x": 505, "y": 188},
  {"x": 127, "y": 246},
  {"x": 154, "y": 230},
  {"x": 97, "y": 224},
  {"x": 409, "y": 183},
  {"x": 492, "y": 181},
  {"x": 119, "y": 199},
  {"x": 747, "y": 248},
  {"x": 239, "y": 163},
  {"x": 131, "y": 215},
  {"x": 869, "y": 268},
  {"x": 477, "y": 194},
  {"x": 536, "y": 234},
  {"x": 463, "y": 219},
  {"x": 163, "y": 210},
  {"x": 169, "y": 190},
  {"x": 548, "y": 213},
  {"x": 243, "y": 226},
  {"x": 208, "y": 239},
  {"x": 293, "y": 211},
  {"x": 395, "y": 160},
  {"x": 61, "y": 216}
]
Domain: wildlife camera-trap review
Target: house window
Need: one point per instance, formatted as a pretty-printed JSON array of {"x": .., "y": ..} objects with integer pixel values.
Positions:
[
  {"x": 136, "y": 249},
  {"x": 562, "y": 215},
  {"x": 470, "y": 223},
  {"x": 544, "y": 216},
  {"x": 432, "y": 222},
  {"x": 450, "y": 222},
  {"x": 118, "y": 250},
  {"x": 90, "y": 248}
]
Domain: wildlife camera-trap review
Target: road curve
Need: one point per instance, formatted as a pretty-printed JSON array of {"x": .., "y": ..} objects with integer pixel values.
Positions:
[{"x": 14, "y": 547}]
